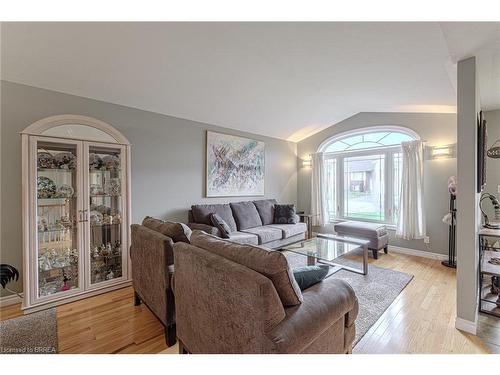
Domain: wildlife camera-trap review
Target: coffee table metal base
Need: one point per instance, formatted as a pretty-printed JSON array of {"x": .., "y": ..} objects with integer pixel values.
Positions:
[{"x": 336, "y": 267}]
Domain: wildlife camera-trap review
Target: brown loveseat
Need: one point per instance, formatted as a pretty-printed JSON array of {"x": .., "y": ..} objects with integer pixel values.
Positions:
[{"x": 237, "y": 298}]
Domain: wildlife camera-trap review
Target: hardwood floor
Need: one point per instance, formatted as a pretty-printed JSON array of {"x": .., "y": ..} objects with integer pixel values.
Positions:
[{"x": 420, "y": 320}]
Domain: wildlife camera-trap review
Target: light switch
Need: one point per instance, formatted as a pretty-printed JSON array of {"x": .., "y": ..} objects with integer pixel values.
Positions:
[{"x": 498, "y": 189}]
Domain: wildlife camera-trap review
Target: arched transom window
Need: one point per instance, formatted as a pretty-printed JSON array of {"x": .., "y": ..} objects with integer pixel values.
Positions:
[
  {"x": 367, "y": 140},
  {"x": 363, "y": 173}
]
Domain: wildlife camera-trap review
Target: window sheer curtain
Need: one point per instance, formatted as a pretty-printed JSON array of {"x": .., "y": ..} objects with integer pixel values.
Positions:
[
  {"x": 319, "y": 208},
  {"x": 411, "y": 218}
]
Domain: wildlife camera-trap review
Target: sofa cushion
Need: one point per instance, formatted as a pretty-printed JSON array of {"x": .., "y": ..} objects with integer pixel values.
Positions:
[
  {"x": 224, "y": 228},
  {"x": 178, "y": 232},
  {"x": 265, "y": 207},
  {"x": 244, "y": 238},
  {"x": 309, "y": 275},
  {"x": 285, "y": 214},
  {"x": 361, "y": 229},
  {"x": 201, "y": 214},
  {"x": 289, "y": 230},
  {"x": 246, "y": 215},
  {"x": 271, "y": 264},
  {"x": 265, "y": 234}
]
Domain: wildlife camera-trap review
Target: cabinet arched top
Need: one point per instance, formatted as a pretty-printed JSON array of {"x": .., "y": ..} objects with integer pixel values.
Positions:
[{"x": 76, "y": 127}]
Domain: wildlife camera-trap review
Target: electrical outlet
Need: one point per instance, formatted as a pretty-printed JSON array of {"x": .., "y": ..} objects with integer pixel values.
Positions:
[{"x": 427, "y": 239}]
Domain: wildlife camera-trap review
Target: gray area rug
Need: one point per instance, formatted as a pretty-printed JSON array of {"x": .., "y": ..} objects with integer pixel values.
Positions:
[
  {"x": 35, "y": 333},
  {"x": 375, "y": 291}
]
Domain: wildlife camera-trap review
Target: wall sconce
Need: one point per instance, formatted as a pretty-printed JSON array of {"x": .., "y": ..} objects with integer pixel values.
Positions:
[
  {"x": 306, "y": 163},
  {"x": 442, "y": 152}
]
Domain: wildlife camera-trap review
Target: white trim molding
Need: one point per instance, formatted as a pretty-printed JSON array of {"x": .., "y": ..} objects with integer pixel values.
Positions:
[
  {"x": 10, "y": 300},
  {"x": 40, "y": 126},
  {"x": 466, "y": 325},
  {"x": 418, "y": 253}
]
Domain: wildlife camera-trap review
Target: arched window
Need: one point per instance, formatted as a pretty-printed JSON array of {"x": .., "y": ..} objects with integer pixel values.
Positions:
[{"x": 363, "y": 173}]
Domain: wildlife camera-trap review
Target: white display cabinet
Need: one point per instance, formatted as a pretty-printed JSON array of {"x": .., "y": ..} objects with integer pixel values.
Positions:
[{"x": 76, "y": 210}]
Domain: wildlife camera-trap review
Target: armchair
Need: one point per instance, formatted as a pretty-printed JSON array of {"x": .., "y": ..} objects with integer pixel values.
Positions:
[{"x": 152, "y": 259}]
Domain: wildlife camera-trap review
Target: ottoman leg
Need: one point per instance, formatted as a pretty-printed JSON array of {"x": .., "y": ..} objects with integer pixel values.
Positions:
[
  {"x": 375, "y": 253},
  {"x": 385, "y": 249}
]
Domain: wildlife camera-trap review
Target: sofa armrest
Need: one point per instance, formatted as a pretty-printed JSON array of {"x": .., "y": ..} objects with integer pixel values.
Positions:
[
  {"x": 206, "y": 228},
  {"x": 324, "y": 304},
  {"x": 151, "y": 254}
]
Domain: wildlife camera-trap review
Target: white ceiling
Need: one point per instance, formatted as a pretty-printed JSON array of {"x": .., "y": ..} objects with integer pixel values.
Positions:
[{"x": 286, "y": 80}]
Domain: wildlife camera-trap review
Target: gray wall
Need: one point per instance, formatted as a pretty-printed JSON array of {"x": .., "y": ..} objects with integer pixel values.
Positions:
[
  {"x": 436, "y": 129},
  {"x": 168, "y": 158},
  {"x": 467, "y": 197}
]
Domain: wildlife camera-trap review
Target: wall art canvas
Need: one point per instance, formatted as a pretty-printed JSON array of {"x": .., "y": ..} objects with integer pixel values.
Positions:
[{"x": 235, "y": 166}]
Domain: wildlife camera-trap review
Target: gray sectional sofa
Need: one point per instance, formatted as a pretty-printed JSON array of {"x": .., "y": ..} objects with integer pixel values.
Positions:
[{"x": 251, "y": 222}]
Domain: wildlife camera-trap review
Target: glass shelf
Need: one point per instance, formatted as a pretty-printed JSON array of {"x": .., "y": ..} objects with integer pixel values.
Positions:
[
  {"x": 104, "y": 170},
  {"x": 56, "y": 170},
  {"x": 56, "y": 268},
  {"x": 56, "y": 230}
]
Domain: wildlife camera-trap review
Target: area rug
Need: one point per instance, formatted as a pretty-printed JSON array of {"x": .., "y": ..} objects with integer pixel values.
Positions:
[
  {"x": 35, "y": 333},
  {"x": 375, "y": 291}
]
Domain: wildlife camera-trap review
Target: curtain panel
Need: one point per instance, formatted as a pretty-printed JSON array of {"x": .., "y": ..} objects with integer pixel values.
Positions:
[
  {"x": 318, "y": 190},
  {"x": 411, "y": 218}
]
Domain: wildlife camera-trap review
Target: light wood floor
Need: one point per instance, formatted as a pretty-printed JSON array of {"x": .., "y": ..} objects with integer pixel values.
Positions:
[{"x": 420, "y": 320}]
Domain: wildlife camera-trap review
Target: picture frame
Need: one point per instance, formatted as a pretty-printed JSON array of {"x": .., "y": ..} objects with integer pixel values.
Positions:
[{"x": 235, "y": 166}]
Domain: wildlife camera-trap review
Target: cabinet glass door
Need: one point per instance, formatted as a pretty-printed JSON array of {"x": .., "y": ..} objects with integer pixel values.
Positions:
[
  {"x": 58, "y": 247},
  {"x": 106, "y": 213}
]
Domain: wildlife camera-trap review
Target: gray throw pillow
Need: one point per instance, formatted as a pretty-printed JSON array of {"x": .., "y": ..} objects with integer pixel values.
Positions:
[
  {"x": 285, "y": 214},
  {"x": 309, "y": 275},
  {"x": 219, "y": 222}
]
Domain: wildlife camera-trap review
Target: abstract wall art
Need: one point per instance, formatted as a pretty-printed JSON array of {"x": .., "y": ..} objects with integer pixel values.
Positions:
[{"x": 235, "y": 166}]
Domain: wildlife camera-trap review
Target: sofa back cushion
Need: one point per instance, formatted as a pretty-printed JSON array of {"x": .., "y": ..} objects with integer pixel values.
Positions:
[
  {"x": 265, "y": 207},
  {"x": 178, "y": 232},
  {"x": 269, "y": 263},
  {"x": 201, "y": 214},
  {"x": 246, "y": 215}
]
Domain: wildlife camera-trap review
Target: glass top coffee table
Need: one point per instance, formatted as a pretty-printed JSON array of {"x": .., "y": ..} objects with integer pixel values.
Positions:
[{"x": 325, "y": 248}]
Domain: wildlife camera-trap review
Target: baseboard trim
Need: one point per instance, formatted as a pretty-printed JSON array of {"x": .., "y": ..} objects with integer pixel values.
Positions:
[
  {"x": 10, "y": 300},
  {"x": 466, "y": 325},
  {"x": 418, "y": 253}
]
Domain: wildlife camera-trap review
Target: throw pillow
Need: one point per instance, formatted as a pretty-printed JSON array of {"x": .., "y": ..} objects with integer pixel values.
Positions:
[
  {"x": 223, "y": 227},
  {"x": 178, "y": 232},
  {"x": 309, "y": 275},
  {"x": 285, "y": 214}
]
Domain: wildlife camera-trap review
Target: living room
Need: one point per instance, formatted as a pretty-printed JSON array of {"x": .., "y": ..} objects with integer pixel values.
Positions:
[{"x": 162, "y": 182}]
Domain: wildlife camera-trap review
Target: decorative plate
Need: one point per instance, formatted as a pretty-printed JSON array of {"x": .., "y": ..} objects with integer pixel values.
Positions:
[
  {"x": 95, "y": 218},
  {"x": 45, "y": 160},
  {"x": 46, "y": 187},
  {"x": 113, "y": 187},
  {"x": 65, "y": 191},
  {"x": 105, "y": 210},
  {"x": 65, "y": 160},
  {"x": 111, "y": 162},
  {"x": 96, "y": 189},
  {"x": 95, "y": 162}
]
